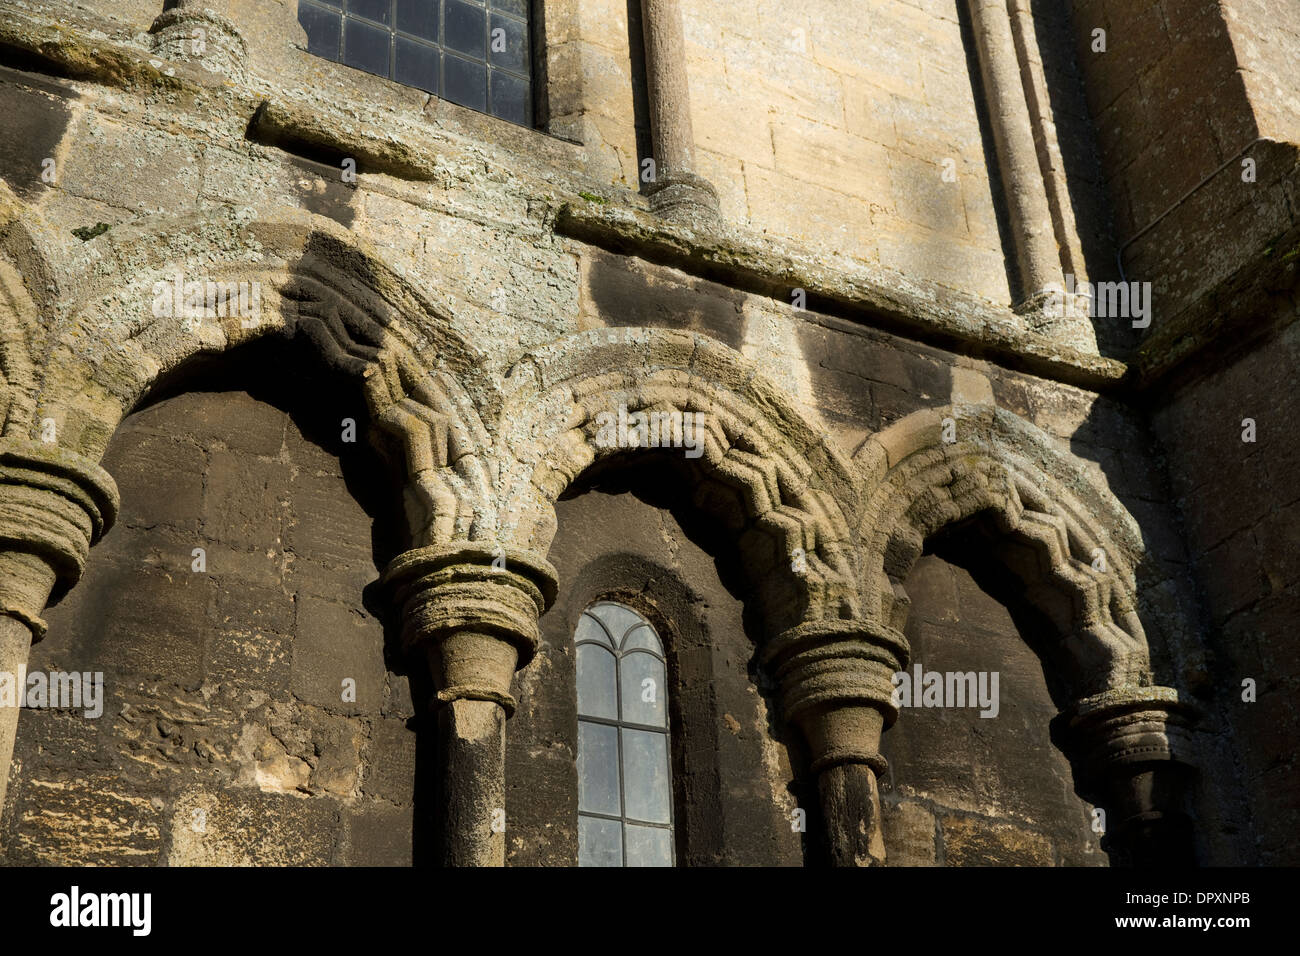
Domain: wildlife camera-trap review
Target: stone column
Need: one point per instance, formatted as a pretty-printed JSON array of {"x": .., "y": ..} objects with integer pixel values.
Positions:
[
  {"x": 836, "y": 685},
  {"x": 678, "y": 191},
  {"x": 1037, "y": 255},
  {"x": 474, "y": 616},
  {"x": 201, "y": 31},
  {"x": 1133, "y": 756},
  {"x": 53, "y": 506}
]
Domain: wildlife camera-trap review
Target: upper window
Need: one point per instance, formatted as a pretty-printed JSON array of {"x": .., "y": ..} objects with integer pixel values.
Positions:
[
  {"x": 625, "y": 807},
  {"x": 472, "y": 52}
]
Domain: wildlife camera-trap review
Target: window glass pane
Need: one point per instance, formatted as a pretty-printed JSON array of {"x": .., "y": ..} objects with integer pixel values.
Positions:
[
  {"x": 645, "y": 775},
  {"x": 378, "y": 10},
  {"x": 643, "y": 636},
  {"x": 417, "y": 65},
  {"x": 589, "y": 630},
  {"x": 598, "y": 768},
  {"x": 465, "y": 82},
  {"x": 642, "y": 678},
  {"x": 408, "y": 41},
  {"x": 649, "y": 846},
  {"x": 466, "y": 28},
  {"x": 323, "y": 30},
  {"x": 510, "y": 98},
  {"x": 365, "y": 47},
  {"x": 600, "y": 842},
  {"x": 508, "y": 46},
  {"x": 617, "y": 618},
  {"x": 596, "y": 684},
  {"x": 418, "y": 18}
]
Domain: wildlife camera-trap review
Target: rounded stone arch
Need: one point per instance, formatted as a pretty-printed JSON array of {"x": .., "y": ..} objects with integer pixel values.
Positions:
[
  {"x": 1067, "y": 539},
  {"x": 782, "y": 489},
  {"x": 423, "y": 381}
]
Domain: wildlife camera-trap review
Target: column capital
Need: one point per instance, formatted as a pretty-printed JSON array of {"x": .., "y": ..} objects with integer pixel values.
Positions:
[
  {"x": 473, "y": 608},
  {"x": 1127, "y": 726},
  {"x": 836, "y": 684},
  {"x": 54, "y": 504},
  {"x": 1133, "y": 754}
]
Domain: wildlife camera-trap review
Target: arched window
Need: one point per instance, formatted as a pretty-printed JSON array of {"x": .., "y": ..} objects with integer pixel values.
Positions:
[{"x": 625, "y": 806}]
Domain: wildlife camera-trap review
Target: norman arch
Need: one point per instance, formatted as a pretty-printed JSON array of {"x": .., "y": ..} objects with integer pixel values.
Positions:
[
  {"x": 1079, "y": 557},
  {"x": 764, "y": 471}
]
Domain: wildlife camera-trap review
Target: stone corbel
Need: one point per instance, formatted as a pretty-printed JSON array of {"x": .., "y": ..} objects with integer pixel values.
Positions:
[
  {"x": 1134, "y": 756},
  {"x": 54, "y": 505},
  {"x": 472, "y": 611},
  {"x": 836, "y": 685}
]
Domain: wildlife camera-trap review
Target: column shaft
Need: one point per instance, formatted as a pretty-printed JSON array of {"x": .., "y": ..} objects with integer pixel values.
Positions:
[
  {"x": 15, "y": 642},
  {"x": 472, "y": 741},
  {"x": 1037, "y": 254}
]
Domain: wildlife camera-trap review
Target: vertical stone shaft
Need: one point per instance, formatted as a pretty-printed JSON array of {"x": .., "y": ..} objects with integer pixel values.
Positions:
[
  {"x": 15, "y": 642},
  {"x": 851, "y": 810},
  {"x": 472, "y": 740},
  {"x": 1046, "y": 139},
  {"x": 476, "y": 622},
  {"x": 846, "y": 739},
  {"x": 53, "y": 506},
  {"x": 836, "y": 685},
  {"x": 669, "y": 93},
  {"x": 678, "y": 188},
  {"x": 1037, "y": 254}
]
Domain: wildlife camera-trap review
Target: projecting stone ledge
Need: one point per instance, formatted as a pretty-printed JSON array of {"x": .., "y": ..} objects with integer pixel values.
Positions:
[{"x": 863, "y": 293}]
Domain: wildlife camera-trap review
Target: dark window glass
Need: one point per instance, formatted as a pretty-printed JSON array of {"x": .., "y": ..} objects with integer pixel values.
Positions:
[
  {"x": 365, "y": 46},
  {"x": 473, "y": 52},
  {"x": 417, "y": 65},
  {"x": 466, "y": 31},
  {"x": 323, "y": 30},
  {"x": 378, "y": 10},
  {"x": 625, "y": 812},
  {"x": 465, "y": 82},
  {"x": 419, "y": 18},
  {"x": 508, "y": 44},
  {"x": 510, "y": 98}
]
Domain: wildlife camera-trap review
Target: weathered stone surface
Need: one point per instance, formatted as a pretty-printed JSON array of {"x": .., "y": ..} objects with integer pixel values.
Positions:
[{"x": 890, "y": 456}]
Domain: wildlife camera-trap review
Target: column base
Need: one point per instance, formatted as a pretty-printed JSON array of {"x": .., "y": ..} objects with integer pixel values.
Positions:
[{"x": 685, "y": 198}]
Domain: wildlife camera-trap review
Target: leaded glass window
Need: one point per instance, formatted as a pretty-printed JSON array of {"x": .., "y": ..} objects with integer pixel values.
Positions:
[
  {"x": 625, "y": 806},
  {"x": 472, "y": 52}
]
